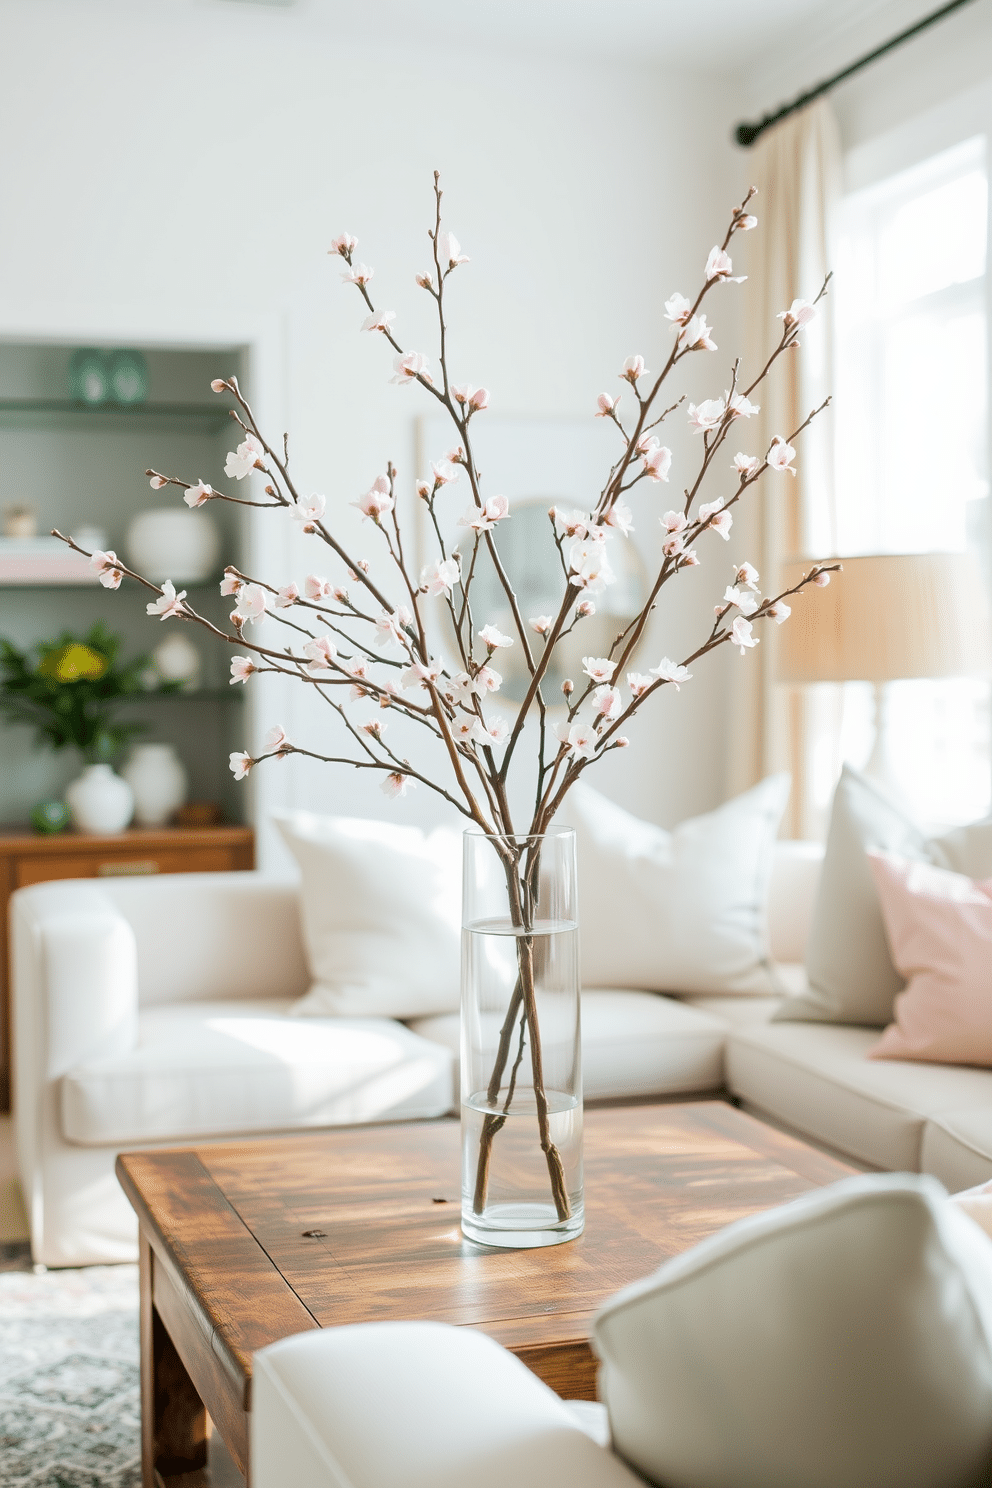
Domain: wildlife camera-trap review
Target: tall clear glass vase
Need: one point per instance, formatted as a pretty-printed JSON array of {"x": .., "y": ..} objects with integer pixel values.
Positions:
[{"x": 520, "y": 1052}]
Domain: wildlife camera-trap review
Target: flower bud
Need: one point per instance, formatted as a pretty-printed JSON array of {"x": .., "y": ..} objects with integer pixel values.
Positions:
[
  {"x": 218, "y": 385},
  {"x": 568, "y": 687}
]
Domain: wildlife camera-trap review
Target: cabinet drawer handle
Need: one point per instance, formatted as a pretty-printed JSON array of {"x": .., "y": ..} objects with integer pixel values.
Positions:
[{"x": 124, "y": 870}]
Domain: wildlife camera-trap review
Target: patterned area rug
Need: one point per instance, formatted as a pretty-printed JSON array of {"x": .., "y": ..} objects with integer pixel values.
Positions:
[{"x": 69, "y": 1405}]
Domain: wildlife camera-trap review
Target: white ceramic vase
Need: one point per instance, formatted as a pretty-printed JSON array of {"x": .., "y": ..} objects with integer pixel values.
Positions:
[
  {"x": 159, "y": 782},
  {"x": 100, "y": 801},
  {"x": 173, "y": 543},
  {"x": 178, "y": 660}
]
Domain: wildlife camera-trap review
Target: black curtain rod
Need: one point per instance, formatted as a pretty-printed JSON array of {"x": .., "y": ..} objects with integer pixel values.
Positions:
[{"x": 746, "y": 134}]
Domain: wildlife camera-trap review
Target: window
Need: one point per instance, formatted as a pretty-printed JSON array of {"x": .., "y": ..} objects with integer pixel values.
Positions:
[{"x": 911, "y": 465}]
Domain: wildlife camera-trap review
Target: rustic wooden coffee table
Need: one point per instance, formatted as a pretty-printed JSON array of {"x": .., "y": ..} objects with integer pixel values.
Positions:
[{"x": 246, "y": 1243}]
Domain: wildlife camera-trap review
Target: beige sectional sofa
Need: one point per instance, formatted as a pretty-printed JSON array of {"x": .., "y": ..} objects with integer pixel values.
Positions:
[{"x": 157, "y": 1012}]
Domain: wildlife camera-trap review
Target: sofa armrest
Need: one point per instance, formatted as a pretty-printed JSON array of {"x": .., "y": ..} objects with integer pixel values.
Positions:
[
  {"x": 792, "y": 893},
  {"x": 214, "y": 935},
  {"x": 75, "y": 978},
  {"x": 425, "y": 1405}
]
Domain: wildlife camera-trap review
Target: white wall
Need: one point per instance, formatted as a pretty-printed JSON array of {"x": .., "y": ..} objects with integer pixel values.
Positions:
[{"x": 175, "y": 172}]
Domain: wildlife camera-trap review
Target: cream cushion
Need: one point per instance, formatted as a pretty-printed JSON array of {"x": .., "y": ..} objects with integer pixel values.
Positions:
[
  {"x": 957, "y": 1146},
  {"x": 843, "y": 1339},
  {"x": 679, "y": 911},
  {"x": 633, "y": 1043},
  {"x": 381, "y": 909},
  {"x": 212, "y": 1069},
  {"x": 817, "y": 1079},
  {"x": 851, "y": 975}
]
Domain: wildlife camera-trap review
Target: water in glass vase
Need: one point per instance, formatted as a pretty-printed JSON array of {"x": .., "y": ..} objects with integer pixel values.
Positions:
[{"x": 521, "y": 1093}]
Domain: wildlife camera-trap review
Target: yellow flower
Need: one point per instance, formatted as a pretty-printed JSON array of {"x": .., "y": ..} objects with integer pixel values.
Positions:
[{"x": 72, "y": 663}]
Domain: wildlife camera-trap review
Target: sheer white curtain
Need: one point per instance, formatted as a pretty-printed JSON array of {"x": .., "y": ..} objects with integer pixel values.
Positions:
[{"x": 796, "y": 167}]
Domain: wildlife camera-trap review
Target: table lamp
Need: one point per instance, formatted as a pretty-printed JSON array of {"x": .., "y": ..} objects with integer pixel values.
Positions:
[{"x": 887, "y": 616}]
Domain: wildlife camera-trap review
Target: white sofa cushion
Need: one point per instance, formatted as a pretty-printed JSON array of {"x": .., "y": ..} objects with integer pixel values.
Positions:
[
  {"x": 414, "y": 1405},
  {"x": 381, "y": 915},
  {"x": 816, "y": 1078},
  {"x": 843, "y": 1339},
  {"x": 633, "y": 1043},
  {"x": 957, "y": 1147},
  {"x": 679, "y": 911},
  {"x": 212, "y": 1069}
]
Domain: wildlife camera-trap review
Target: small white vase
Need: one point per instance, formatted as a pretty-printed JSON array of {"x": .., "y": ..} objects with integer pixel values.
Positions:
[
  {"x": 100, "y": 801},
  {"x": 159, "y": 782},
  {"x": 178, "y": 660},
  {"x": 170, "y": 543}
]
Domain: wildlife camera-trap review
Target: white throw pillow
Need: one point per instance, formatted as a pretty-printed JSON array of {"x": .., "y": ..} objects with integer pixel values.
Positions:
[
  {"x": 851, "y": 975},
  {"x": 679, "y": 911},
  {"x": 381, "y": 916},
  {"x": 844, "y": 1339}
]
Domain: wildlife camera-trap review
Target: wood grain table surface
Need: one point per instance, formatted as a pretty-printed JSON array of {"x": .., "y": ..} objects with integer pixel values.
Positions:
[{"x": 245, "y": 1243}]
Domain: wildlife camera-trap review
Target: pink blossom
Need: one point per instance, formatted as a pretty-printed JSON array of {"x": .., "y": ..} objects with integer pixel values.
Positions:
[
  {"x": 476, "y": 398},
  {"x": 748, "y": 575},
  {"x": 740, "y": 634},
  {"x": 779, "y": 611},
  {"x": 198, "y": 494},
  {"x": 409, "y": 367},
  {"x": 276, "y": 740},
  {"x": 633, "y": 368},
  {"x": 799, "y": 313},
  {"x": 444, "y": 473},
  {"x": 697, "y": 336},
  {"x": 706, "y": 415},
  {"x": 466, "y": 730},
  {"x": 344, "y": 244},
  {"x": 620, "y": 742},
  {"x": 619, "y": 516},
  {"x": 712, "y": 515},
  {"x": 241, "y": 669},
  {"x": 441, "y": 578},
  {"x": 719, "y": 266},
  {"x": 484, "y": 518},
  {"x": 572, "y": 524},
  {"x": 540, "y": 623},
  {"x": 107, "y": 566},
  {"x": 741, "y": 406},
  {"x": 244, "y": 459},
  {"x": 169, "y": 603},
  {"x": 252, "y": 602},
  {"x": 315, "y": 587},
  {"x": 580, "y": 739},
  {"x": 419, "y": 675},
  {"x": 607, "y": 702},
  {"x": 638, "y": 682},
  {"x": 389, "y": 627},
  {"x": 379, "y": 320},
  {"x": 455, "y": 456},
  {"x": 449, "y": 250},
  {"x": 286, "y": 596},
  {"x": 341, "y": 595},
  {"x": 589, "y": 567},
  {"x": 585, "y": 609},
  {"x": 657, "y": 464},
  {"x": 495, "y": 731},
  {"x": 606, "y": 405},
  {"x": 424, "y": 490},
  {"x": 781, "y": 455},
  {"x": 460, "y": 688},
  {"x": 157, "y": 482},
  {"x": 599, "y": 668},
  {"x": 744, "y": 222},
  {"x": 487, "y": 679},
  {"x": 674, "y": 521},
  {"x": 358, "y": 274},
  {"x": 219, "y": 385},
  {"x": 376, "y": 727},
  {"x": 389, "y": 690},
  {"x": 670, "y": 671},
  {"x": 742, "y": 598},
  {"x": 745, "y": 465},
  {"x": 678, "y": 310},
  {"x": 673, "y": 545},
  {"x": 310, "y": 512},
  {"x": 377, "y": 501},
  {"x": 425, "y": 281},
  {"x": 821, "y": 580},
  {"x": 493, "y": 639},
  {"x": 395, "y": 785},
  {"x": 689, "y": 559},
  {"x": 241, "y": 764}
]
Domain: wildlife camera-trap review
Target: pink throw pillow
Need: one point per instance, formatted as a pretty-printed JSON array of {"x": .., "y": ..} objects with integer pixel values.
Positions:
[{"x": 939, "y": 926}]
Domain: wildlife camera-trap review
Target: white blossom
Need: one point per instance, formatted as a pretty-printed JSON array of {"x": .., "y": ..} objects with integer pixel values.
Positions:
[
  {"x": 678, "y": 310},
  {"x": 670, "y": 671},
  {"x": 409, "y": 367},
  {"x": 599, "y": 668},
  {"x": 781, "y": 455},
  {"x": 198, "y": 494},
  {"x": 493, "y": 638},
  {"x": 779, "y": 611},
  {"x": 169, "y": 602},
  {"x": 242, "y": 461},
  {"x": 740, "y": 634},
  {"x": 697, "y": 336}
]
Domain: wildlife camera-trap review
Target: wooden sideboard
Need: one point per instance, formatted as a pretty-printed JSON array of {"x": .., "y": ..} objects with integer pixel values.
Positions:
[{"x": 29, "y": 858}]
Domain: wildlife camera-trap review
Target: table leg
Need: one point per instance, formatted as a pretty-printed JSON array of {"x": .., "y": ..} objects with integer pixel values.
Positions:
[{"x": 173, "y": 1418}]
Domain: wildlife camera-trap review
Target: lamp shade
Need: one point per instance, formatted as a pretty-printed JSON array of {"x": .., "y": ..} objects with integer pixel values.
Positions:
[{"x": 888, "y": 615}]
